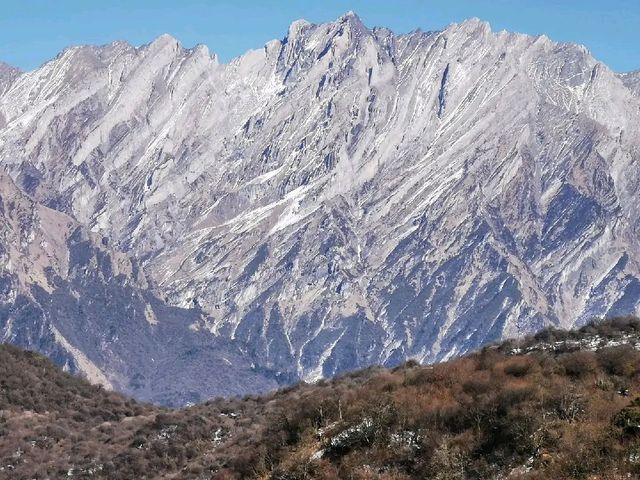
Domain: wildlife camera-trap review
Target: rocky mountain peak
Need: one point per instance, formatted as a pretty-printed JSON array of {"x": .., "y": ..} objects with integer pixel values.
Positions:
[
  {"x": 164, "y": 49},
  {"x": 165, "y": 40},
  {"x": 6, "y": 69},
  {"x": 296, "y": 28},
  {"x": 352, "y": 20},
  {"x": 8, "y": 75},
  {"x": 471, "y": 26}
]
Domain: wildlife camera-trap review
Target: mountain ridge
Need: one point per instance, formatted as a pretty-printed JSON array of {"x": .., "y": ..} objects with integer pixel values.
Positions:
[{"x": 347, "y": 196}]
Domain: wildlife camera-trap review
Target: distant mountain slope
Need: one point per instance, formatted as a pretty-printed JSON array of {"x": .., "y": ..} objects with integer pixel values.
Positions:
[
  {"x": 66, "y": 294},
  {"x": 345, "y": 196},
  {"x": 544, "y": 415}
]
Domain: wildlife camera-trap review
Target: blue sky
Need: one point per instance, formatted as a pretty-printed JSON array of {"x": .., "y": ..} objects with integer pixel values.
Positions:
[{"x": 33, "y": 31}]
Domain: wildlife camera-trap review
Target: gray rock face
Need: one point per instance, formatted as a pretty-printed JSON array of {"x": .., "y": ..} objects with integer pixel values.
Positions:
[
  {"x": 347, "y": 196},
  {"x": 632, "y": 81},
  {"x": 8, "y": 75},
  {"x": 64, "y": 293}
]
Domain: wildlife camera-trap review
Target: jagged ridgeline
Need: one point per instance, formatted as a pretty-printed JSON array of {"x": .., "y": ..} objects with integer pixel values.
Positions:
[
  {"x": 569, "y": 408},
  {"x": 339, "y": 198}
]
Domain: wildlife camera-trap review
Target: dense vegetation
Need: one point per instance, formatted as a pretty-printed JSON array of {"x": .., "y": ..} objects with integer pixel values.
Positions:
[{"x": 548, "y": 414}]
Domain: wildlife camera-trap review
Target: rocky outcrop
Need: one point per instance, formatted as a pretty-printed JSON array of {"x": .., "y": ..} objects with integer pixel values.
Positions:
[
  {"x": 65, "y": 293},
  {"x": 632, "y": 81}
]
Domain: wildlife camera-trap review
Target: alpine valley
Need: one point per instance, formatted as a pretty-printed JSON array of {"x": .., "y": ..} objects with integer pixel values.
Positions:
[{"x": 176, "y": 228}]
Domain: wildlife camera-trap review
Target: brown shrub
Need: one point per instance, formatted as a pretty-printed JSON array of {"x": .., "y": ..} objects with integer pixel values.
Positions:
[
  {"x": 519, "y": 366},
  {"x": 579, "y": 364},
  {"x": 623, "y": 360}
]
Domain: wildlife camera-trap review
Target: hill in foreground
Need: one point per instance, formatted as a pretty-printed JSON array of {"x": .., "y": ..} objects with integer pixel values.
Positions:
[{"x": 558, "y": 405}]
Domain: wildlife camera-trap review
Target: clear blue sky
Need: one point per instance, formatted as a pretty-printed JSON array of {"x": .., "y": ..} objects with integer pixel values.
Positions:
[{"x": 33, "y": 31}]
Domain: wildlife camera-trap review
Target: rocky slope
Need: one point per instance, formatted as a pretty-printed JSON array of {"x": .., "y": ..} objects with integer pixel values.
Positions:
[
  {"x": 64, "y": 293},
  {"x": 632, "y": 80},
  {"x": 347, "y": 196}
]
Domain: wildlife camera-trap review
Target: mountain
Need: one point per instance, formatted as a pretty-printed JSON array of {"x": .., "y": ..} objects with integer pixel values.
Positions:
[
  {"x": 572, "y": 413},
  {"x": 345, "y": 196},
  {"x": 8, "y": 75},
  {"x": 66, "y": 294}
]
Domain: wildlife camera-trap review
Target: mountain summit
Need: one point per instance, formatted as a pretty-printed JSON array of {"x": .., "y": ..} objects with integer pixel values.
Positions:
[{"x": 345, "y": 196}]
